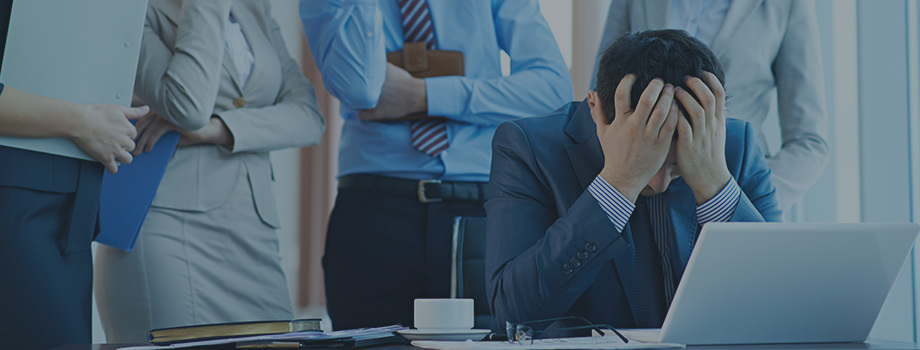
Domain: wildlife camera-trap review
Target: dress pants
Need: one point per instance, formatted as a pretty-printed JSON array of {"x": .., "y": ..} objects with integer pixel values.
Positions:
[
  {"x": 383, "y": 251},
  {"x": 48, "y": 210}
]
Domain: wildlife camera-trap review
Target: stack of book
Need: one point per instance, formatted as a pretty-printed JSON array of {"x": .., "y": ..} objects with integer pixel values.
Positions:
[
  {"x": 166, "y": 336},
  {"x": 303, "y": 333}
]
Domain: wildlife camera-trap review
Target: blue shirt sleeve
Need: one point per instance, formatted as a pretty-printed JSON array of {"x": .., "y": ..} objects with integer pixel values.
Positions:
[
  {"x": 347, "y": 43},
  {"x": 539, "y": 79}
]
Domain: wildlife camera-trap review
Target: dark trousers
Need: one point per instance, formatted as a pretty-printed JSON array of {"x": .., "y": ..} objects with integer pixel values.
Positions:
[
  {"x": 48, "y": 210},
  {"x": 383, "y": 251}
]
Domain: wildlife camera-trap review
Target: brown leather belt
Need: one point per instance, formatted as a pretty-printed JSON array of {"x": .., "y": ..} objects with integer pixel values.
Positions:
[{"x": 427, "y": 191}]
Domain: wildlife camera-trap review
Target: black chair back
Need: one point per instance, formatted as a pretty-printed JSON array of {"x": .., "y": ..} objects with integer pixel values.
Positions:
[{"x": 469, "y": 267}]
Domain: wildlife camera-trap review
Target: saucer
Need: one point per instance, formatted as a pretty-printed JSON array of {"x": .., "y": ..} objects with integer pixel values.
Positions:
[{"x": 457, "y": 335}]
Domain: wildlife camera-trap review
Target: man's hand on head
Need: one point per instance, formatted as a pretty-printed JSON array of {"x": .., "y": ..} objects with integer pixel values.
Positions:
[
  {"x": 701, "y": 141},
  {"x": 402, "y": 95},
  {"x": 637, "y": 142}
]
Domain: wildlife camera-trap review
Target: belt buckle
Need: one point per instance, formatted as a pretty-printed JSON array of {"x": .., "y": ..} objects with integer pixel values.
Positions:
[{"x": 421, "y": 191}]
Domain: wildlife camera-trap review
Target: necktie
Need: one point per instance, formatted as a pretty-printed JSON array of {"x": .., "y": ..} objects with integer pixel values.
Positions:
[
  {"x": 650, "y": 280},
  {"x": 428, "y": 135}
]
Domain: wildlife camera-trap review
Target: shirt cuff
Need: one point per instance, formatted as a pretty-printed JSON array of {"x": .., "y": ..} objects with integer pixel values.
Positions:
[
  {"x": 721, "y": 207},
  {"x": 614, "y": 204},
  {"x": 446, "y": 96}
]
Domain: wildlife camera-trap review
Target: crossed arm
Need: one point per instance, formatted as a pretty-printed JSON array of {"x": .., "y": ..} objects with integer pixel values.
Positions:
[
  {"x": 182, "y": 85},
  {"x": 347, "y": 40}
]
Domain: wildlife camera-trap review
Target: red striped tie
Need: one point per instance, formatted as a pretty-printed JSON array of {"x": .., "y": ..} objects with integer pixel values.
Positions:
[{"x": 429, "y": 135}]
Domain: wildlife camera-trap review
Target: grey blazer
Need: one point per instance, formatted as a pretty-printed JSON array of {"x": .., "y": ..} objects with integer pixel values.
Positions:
[
  {"x": 186, "y": 76},
  {"x": 762, "y": 45}
]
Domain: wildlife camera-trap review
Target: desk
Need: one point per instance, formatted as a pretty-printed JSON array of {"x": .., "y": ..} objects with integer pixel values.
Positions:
[{"x": 875, "y": 344}]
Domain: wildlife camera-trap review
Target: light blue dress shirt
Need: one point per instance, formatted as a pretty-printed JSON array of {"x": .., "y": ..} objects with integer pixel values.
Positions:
[
  {"x": 349, "y": 40},
  {"x": 701, "y": 18}
]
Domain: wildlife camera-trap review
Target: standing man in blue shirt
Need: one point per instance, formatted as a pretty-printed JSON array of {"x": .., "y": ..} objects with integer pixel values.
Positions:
[{"x": 401, "y": 184}]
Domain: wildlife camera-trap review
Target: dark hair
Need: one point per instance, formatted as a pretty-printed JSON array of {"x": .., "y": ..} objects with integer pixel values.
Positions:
[{"x": 667, "y": 54}]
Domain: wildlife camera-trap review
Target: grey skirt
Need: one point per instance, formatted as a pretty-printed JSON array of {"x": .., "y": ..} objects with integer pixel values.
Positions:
[{"x": 190, "y": 268}]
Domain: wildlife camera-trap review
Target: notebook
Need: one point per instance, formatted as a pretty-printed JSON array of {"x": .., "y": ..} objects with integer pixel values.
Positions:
[{"x": 228, "y": 330}]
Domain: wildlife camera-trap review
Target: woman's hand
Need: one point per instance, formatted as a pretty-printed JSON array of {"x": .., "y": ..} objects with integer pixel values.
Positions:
[
  {"x": 152, "y": 127},
  {"x": 106, "y": 134}
]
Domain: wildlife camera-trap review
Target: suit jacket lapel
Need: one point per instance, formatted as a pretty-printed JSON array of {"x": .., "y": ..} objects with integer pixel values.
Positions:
[
  {"x": 257, "y": 43},
  {"x": 585, "y": 153},
  {"x": 231, "y": 70},
  {"x": 738, "y": 13},
  {"x": 587, "y": 160},
  {"x": 656, "y": 14},
  {"x": 228, "y": 62}
]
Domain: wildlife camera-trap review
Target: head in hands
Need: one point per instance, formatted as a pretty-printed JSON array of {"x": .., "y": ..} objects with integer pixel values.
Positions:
[{"x": 659, "y": 109}]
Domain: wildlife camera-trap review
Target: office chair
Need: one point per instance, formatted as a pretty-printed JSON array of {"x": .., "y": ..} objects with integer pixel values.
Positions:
[{"x": 468, "y": 268}]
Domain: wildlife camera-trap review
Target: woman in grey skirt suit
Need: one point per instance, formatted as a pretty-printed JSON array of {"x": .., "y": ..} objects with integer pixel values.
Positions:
[{"x": 218, "y": 72}]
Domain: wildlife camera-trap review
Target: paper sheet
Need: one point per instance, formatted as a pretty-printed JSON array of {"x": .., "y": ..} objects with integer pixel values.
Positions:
[
  {"x": 645, "y": 335},
  {"x": 555, "y": 343}
]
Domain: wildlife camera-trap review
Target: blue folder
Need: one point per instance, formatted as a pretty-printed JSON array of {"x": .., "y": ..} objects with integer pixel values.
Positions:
[{"x": 127, "y": 195}]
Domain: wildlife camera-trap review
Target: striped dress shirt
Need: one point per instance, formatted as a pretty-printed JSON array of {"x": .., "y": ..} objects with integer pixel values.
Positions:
[{"x": 719, "y": 208}]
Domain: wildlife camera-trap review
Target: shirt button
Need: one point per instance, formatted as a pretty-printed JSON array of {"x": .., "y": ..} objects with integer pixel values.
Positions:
[
  {"x": 369, "y": 34},
  {"x": 591, "y": 247}
]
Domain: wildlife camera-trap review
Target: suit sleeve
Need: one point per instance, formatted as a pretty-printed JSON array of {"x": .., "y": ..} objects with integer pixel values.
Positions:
[
  {"x": 539, "y": 79},
  {"x": 529, "y": 245},
  {"x": 758, "y": 195},
  {"x": 802, "y": 113},
  {"x": 293, "y": 121},
  {"x": 181, "y": 83},
  {"x": 346, "y": 40}
]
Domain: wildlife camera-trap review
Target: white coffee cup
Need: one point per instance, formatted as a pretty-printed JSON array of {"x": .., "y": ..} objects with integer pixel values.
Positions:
[{"x": 433, "y": 315}]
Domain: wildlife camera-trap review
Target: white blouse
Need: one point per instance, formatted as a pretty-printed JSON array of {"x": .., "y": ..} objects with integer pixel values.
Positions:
[{"x": 239, "y": 49}]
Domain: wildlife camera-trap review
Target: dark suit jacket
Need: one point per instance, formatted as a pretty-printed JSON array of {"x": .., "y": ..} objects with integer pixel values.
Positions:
[{"x": 541, "y": 216}]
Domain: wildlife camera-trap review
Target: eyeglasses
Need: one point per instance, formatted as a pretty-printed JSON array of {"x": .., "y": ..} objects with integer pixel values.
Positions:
[{"x": 523, "y": 333}]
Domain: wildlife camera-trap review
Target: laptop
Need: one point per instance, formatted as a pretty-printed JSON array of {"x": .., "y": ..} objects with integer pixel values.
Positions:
[{"x": 754, "y": 283}]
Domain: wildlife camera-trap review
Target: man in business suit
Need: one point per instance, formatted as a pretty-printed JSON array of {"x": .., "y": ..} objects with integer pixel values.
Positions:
[
  {"x": 763, "y": 45},
  {"x": 594, "y": 209}
]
